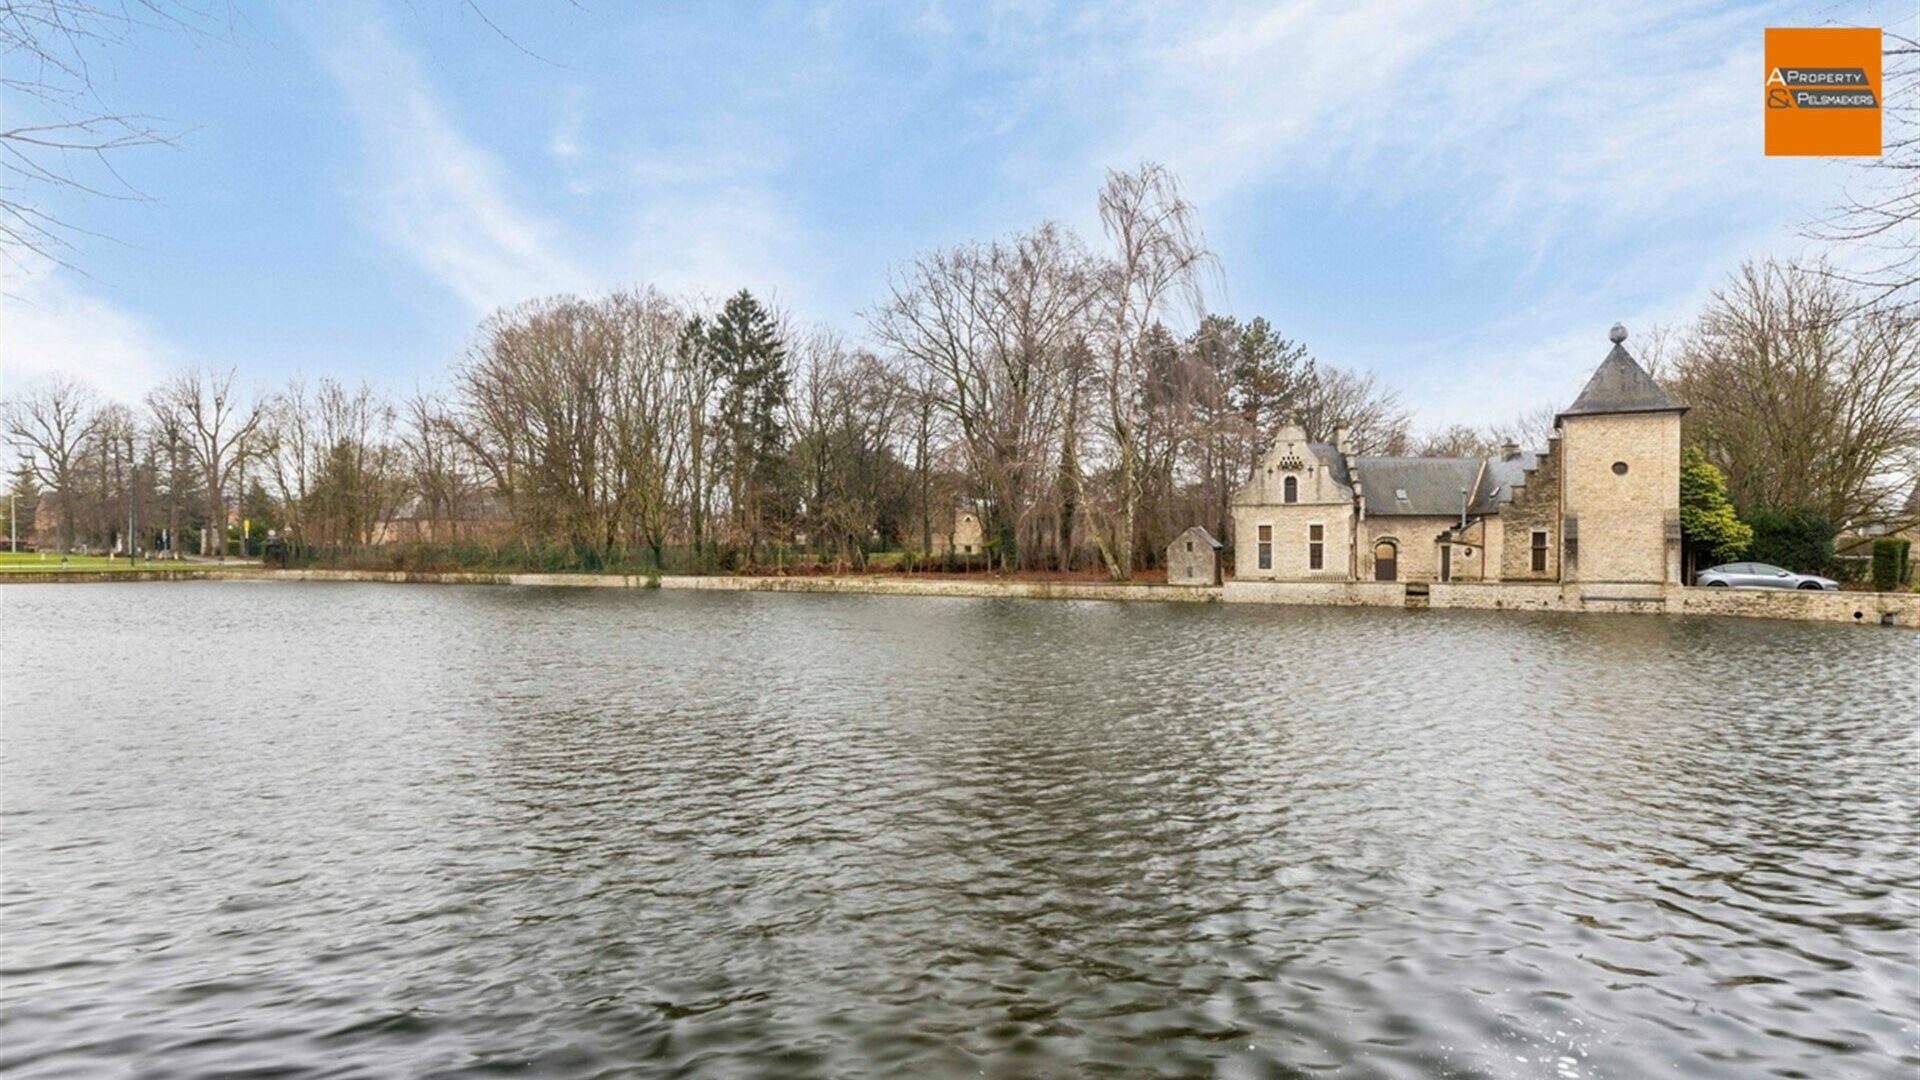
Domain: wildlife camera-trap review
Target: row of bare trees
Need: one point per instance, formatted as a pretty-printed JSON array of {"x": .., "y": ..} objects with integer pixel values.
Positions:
[
  {"x": 1036, "y": 381},
  {"x": 85, "y": 464},
  {"x": 1032, "y": 380}
]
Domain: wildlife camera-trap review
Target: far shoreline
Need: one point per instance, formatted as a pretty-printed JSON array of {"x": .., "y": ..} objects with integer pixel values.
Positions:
[{"x": 1857, "y": 608}]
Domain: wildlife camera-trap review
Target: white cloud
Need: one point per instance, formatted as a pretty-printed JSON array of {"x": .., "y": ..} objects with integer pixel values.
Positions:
[
  {"x": 439, "y": 198},
  {"x": 50, "y": 326},
  {"x": 565, "y": 146},
  {"x": 1616, "y": 146},
  {"x": 711, "y": 216},
  {"x": 704, "y": 218},
  {"x": 719, "y": 240},
  {"x": 1546, "y": 115}
]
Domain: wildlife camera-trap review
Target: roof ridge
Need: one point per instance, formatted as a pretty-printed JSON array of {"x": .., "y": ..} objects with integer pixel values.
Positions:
[{"x": 1620, "y": 385}]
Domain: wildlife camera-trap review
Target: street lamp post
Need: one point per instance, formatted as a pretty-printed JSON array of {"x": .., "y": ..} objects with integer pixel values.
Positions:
[{"x": 133, "y": 492}]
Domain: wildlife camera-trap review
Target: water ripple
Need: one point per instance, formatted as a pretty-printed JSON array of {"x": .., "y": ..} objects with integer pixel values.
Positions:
[{"x": 334, "y": 830}]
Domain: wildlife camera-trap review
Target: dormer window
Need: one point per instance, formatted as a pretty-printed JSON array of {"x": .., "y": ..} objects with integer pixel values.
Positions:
[{"x": 1290, "y": 489}]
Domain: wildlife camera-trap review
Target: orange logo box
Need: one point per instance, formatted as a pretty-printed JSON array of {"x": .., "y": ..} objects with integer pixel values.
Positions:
[{"x": 1823, "y": 92}]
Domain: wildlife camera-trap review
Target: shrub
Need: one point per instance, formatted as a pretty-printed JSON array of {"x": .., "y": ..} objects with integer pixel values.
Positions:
[
  {"x": 1707, "y": 519},
  {"x": 1889, "y": 562},
  {"x": 1800, "y": 540}
]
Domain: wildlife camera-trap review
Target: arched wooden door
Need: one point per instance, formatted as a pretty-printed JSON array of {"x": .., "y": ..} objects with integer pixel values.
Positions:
[{"x": 1386, "y": 561}]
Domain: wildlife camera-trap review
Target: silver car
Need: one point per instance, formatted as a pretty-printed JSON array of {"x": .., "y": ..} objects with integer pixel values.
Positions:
[{"x": 1759, "y": 575}]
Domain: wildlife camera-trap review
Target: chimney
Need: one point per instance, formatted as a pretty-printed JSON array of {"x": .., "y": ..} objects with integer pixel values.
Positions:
[
  {"x": 1509, "y": 450},
  {"x": 1340, "y": 438}
]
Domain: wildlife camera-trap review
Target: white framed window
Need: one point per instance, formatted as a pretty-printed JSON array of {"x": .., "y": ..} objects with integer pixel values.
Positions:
[
  {"x": 1316, "y": 546},
  {"x": 1266, "y": 547}
]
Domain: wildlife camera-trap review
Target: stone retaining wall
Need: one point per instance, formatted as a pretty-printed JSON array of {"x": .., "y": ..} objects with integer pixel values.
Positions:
[
  {"x": 893, "y": 586},
  {"x": 1864, "y": 608},
  {"x": 1861, "y": 608},
  {"x": 1858, "y": 608},
  {"x": 1318, "y": 593},
  {"x": 1513, "y": 597}
]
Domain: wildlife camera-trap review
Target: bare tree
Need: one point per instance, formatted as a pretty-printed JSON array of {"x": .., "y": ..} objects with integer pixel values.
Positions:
[
  {"x": 1456, "y": 440},
  {"x": 169, "y": 437},
  {"x": 1803, "y": 395},
  {"x": 1528, "y": 430},
  {"x": 697, "y": 376},
  {"x": 290, "y": 450},
  {"x": 356, "y": 476},
  {"x": 578, "y": 412},
  {"x": 646, "y": 414},
  {"x": 1874, "y": 226},
  {"x": 1376, "y": 422},
  {"x": 49, "y": 427},
  {"x": 105, "y": 477},
  {"x": 1154, "y": 268},
  {"x": 989, "y": 328},
  {"x": 442, "y": 475},
  {"x": 844, "y": 415},
  {"x": 60, "y": 133},
  {"x": 1531, "y": 429},
  {"x": 216, "y": 425},
  {"x": 534, "y": 393}
]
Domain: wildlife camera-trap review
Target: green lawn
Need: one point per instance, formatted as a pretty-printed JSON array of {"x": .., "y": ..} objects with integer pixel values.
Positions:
[{"x": 34, "y": 563}]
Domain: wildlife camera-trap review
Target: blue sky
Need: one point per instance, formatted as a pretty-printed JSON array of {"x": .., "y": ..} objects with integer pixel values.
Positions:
[{"x": 1459, "y": 197}]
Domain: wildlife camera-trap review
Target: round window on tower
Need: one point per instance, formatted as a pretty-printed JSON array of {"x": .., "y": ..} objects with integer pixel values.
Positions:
[{"x": 1619, "y": 468}]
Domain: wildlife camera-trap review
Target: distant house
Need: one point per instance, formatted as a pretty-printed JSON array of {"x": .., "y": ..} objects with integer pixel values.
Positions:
[
  {"x": 479, "y": 517},
  {"x": 956, "y": 532},
  {"x": 1600, "y": 504},
  {"x": 1193, "y": 558},
  {"x": 1858, "y": 543},
  {"x": 964, "y": 535}
]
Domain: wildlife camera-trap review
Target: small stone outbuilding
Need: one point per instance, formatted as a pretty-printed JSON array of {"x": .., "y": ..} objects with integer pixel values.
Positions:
[{"x": 1194, "y": 559}]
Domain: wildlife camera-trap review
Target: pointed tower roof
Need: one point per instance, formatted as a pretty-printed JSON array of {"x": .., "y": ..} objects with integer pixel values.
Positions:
[{"x": 1620, "y": 385}]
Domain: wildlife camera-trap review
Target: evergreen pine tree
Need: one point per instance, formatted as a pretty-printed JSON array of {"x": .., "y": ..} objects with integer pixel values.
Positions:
[{"x": 753, "y": 365}]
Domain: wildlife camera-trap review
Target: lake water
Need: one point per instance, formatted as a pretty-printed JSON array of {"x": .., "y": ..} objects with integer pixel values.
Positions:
[{"x": 347, "y": 830}]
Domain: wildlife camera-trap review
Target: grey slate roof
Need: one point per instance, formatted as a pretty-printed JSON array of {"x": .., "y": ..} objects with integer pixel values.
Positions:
[
  {"x": 1619, "y": 385},
  {"x": 1198, "y": 533},
  {"x": 1332, "y": 460},
  {"x": 1496, "y": 487},
  {"x": 1432, "y": 485}
]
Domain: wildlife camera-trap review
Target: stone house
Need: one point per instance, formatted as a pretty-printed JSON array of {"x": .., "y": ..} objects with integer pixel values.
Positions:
[
  {"x": 1294, "y": 520},
  {"x": 1193, "y": 558},
  {"x": 956, "y": 532},
  {"x": 481, "y": 517},
  {"x": 966, "y": 537},
  {"x": 1610, "y": 475}
]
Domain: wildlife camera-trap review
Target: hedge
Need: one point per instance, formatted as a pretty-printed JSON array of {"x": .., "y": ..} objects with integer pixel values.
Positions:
[{"x": 1890, "y": 566}]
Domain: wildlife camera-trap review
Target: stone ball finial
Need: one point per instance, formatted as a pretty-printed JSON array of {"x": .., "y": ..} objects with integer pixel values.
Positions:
[{"x": 1618, "y": 334}]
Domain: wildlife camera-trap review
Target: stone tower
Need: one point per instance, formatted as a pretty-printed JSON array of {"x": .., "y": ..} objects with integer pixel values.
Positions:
[{"x": 1620, "y": 477}]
